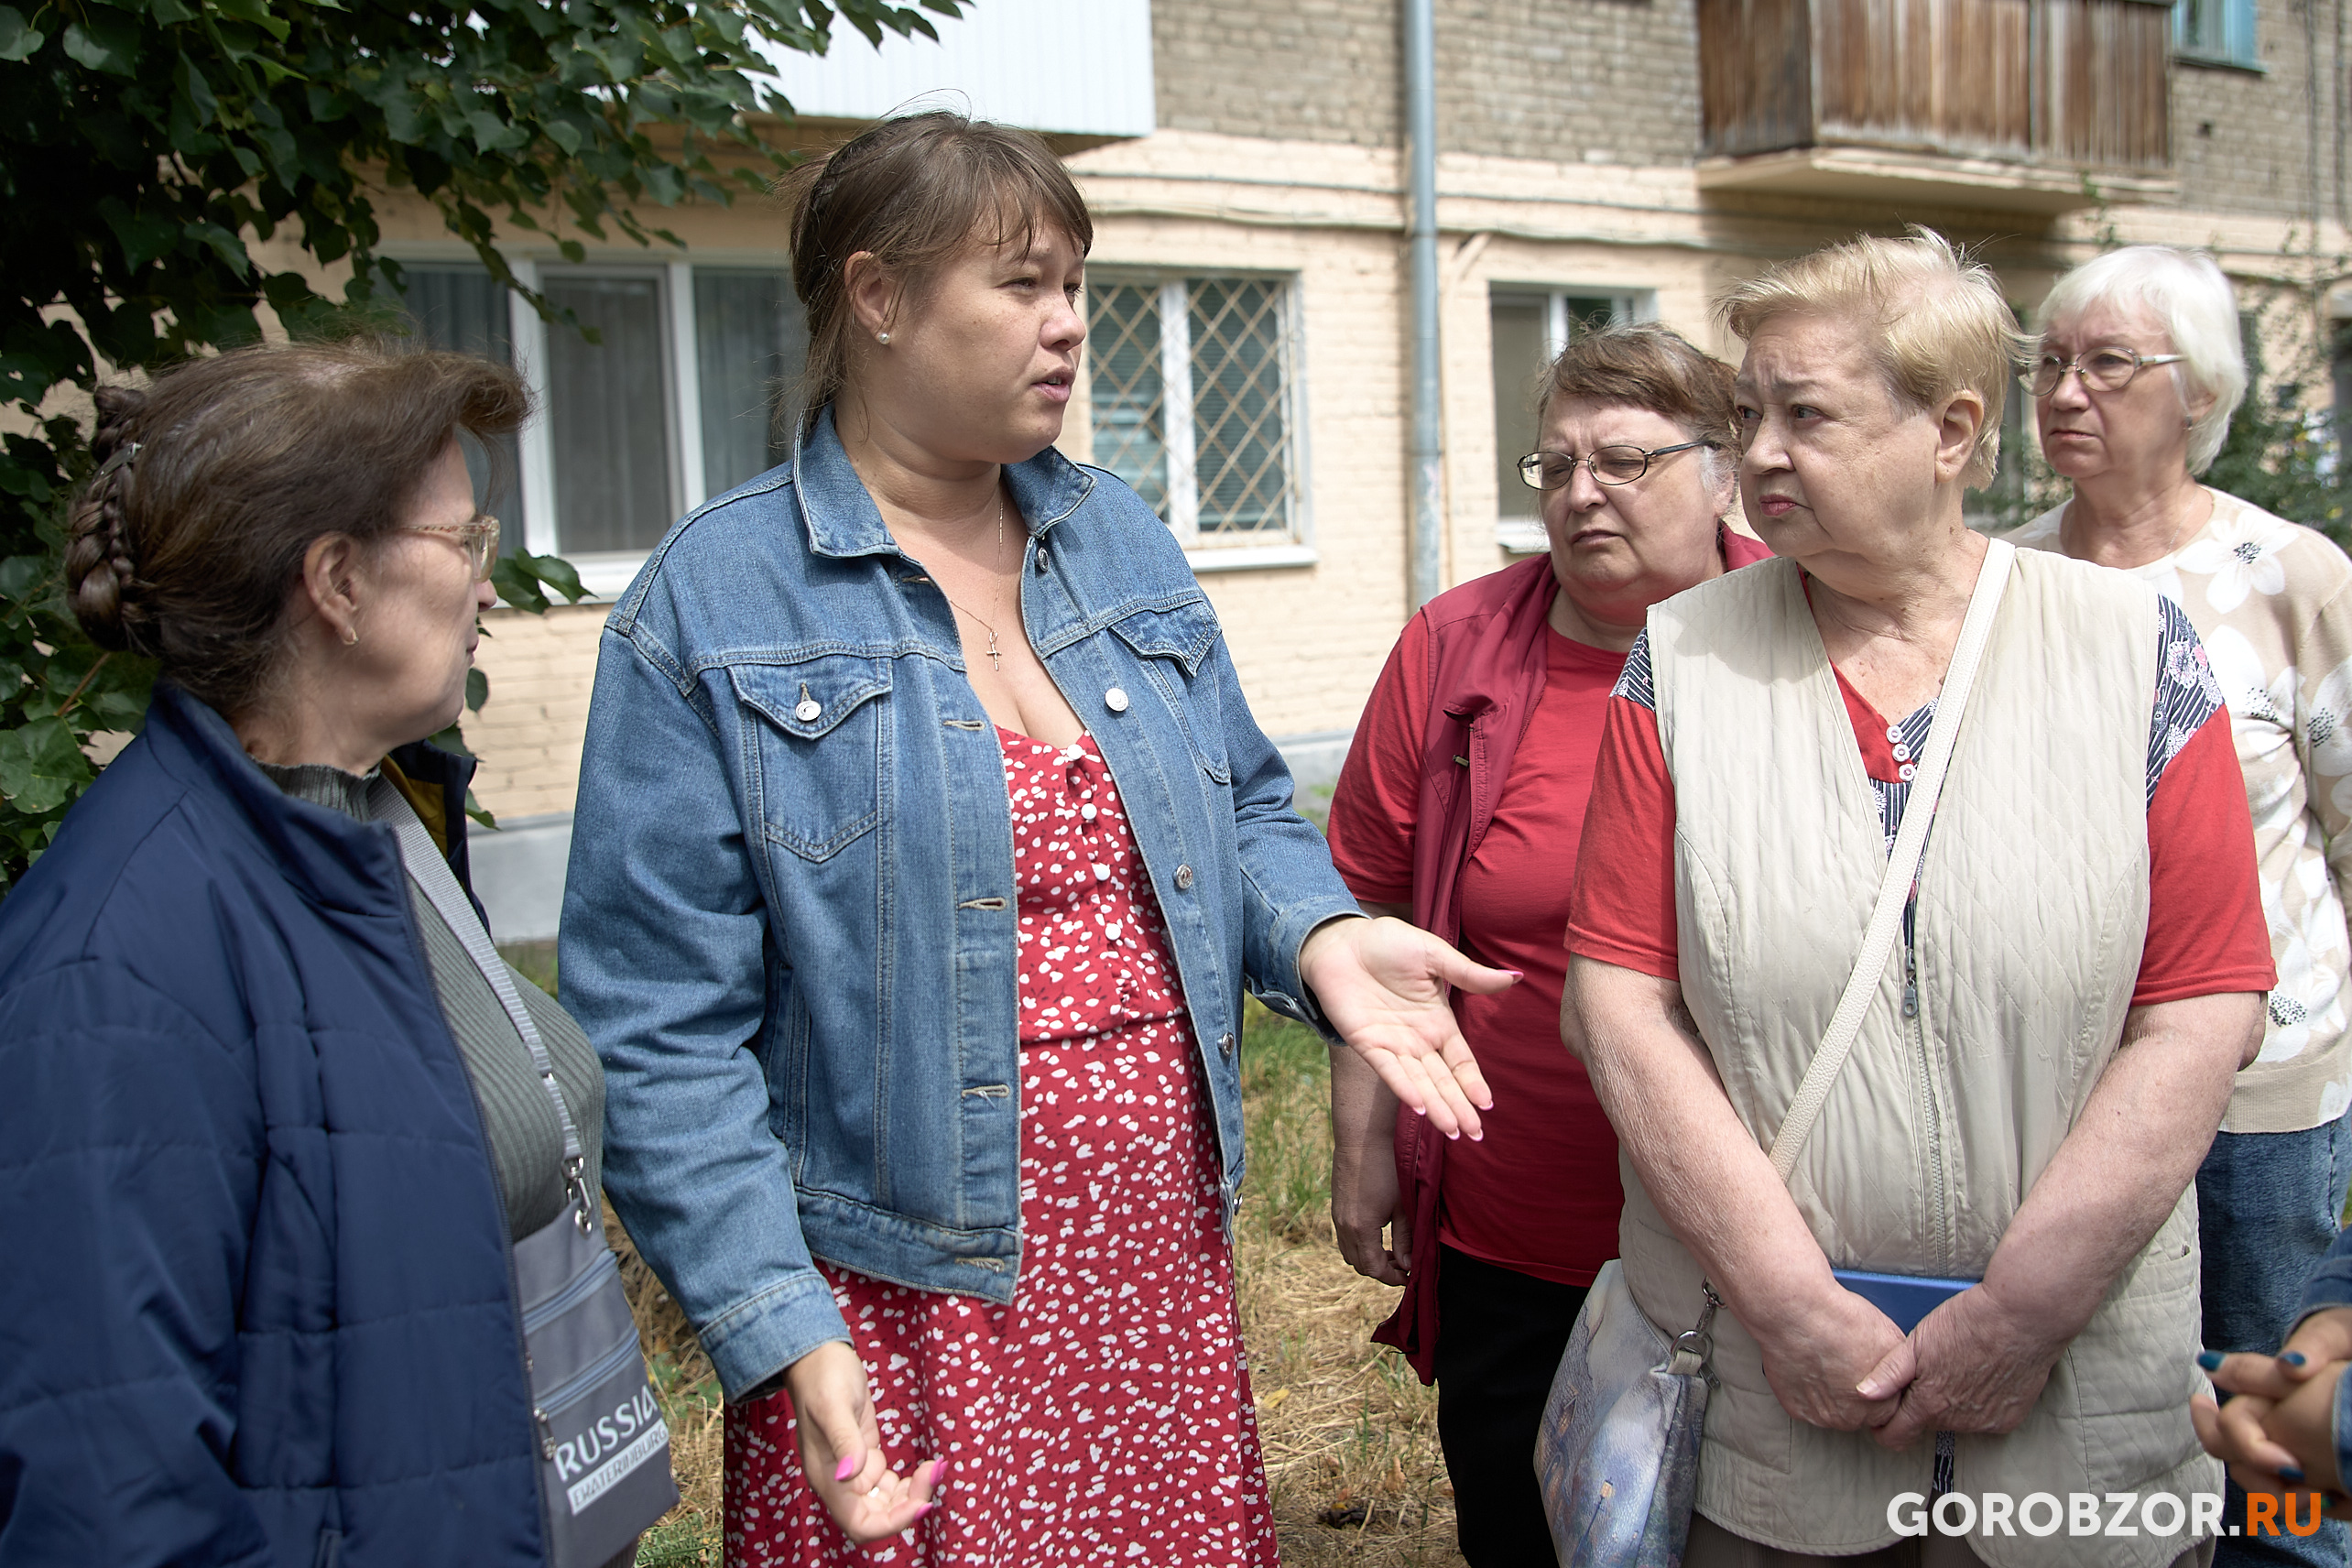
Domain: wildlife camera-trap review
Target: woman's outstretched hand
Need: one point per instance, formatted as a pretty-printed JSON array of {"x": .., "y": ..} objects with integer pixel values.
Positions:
[
  {"x": 841, "y": 1449},
  {"x": 1382, "y": 984}
]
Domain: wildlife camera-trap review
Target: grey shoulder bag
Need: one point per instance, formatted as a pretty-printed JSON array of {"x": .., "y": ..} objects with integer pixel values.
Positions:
[
  {"x": 1617, "y": 1452},
  {"x": 600, "y": 1430}
]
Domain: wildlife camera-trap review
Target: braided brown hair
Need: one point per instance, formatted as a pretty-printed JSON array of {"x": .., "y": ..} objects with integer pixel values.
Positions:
[
  {"x": 214, "y": 480},
  {"x": 98, "y": 565}
]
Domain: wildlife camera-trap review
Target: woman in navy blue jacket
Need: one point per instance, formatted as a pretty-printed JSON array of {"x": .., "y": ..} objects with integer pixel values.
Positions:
[{"x": 262, "y": 1155}]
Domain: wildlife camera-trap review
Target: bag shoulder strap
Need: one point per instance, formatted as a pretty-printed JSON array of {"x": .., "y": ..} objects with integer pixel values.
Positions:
[
  {"x": 1903, "y": 861},
  {"x": 423, "y": 859}
]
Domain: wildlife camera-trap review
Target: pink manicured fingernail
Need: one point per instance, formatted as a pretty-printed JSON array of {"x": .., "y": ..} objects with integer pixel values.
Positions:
[
  {"x": 938, "y": 1472},
  {"x": 1455, "y": 1135},
  {"x": 848, "y": 1467},
  {"x": 1419, "y": 1112},
  {"x": 925, "y": 1509},
  {"x": 1516, "y": 974}
]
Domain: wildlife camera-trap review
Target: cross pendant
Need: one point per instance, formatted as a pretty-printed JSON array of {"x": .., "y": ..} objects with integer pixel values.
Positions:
[{"x": 996, "y": 659}]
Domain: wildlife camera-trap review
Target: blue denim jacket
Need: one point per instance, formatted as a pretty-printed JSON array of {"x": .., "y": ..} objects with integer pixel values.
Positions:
[{"x": 789, "y": 922}]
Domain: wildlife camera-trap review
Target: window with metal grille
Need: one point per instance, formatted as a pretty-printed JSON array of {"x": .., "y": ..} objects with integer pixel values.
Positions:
[
  {"x": 2218, "y": 31},
  {"x": 1194, "y": 392}
]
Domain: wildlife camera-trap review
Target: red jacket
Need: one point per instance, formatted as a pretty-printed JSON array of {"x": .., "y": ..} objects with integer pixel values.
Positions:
[{"x": 1488, "y": 662}]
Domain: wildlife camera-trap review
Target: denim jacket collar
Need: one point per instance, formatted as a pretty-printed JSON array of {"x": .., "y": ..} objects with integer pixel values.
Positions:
[{"x": 841, "y": 519}]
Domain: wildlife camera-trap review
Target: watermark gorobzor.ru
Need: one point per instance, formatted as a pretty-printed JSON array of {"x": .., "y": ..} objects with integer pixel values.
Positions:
[{"x": 2088, "y": 1513}]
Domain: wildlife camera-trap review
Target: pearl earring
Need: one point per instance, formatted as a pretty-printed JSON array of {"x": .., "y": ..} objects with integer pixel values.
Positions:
[{"x": 882, "y": 338}]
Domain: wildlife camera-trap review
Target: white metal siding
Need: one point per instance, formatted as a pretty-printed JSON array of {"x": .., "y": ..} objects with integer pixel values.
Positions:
[{"x": 1080, "y": 66}]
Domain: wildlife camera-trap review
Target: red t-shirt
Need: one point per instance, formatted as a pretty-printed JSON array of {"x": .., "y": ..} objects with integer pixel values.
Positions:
[
  {"x": 2206, "y": 933},
  {"x": 1539, "y": 1194}
]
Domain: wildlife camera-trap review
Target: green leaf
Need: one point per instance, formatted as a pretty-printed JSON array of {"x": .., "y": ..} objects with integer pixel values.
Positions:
[
  {"x": 259, "y": 14},
  {"x": 227, "y": 245},
  {"x": 18, "y": 42},
  {"x": 492, "y": 134},
  {"x": 105, "y": 43},
  {"x": 517, "y": 585},
  {"x": 21, "y": 576},
  {"x": 477, "y": 691},
  {"x": 143, "y": 237},
  {"x": 558, "y": 575},
  {"x": 41, "y": 766}
]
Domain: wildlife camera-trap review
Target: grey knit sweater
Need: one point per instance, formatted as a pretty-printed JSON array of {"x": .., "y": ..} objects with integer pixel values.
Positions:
[{"x": 519, "y": 1120}]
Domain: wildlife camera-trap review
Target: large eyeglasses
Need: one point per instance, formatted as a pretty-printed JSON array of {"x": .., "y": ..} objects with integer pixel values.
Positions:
[
  {"x": 2102, "y": 369},
  {"x": 480, "y": 538},
  {"x": 1610, "y": 465}
]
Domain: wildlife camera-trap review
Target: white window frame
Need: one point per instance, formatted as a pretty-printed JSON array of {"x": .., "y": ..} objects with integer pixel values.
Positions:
[
  {"x": 1173, "y": 285},
  {"x": 605, "y": 573},
  {"x": 1517, "y": 535}
]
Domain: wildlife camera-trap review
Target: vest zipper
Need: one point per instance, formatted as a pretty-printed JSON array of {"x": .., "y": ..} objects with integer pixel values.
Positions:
[{"x": 1941, "y": 1218}]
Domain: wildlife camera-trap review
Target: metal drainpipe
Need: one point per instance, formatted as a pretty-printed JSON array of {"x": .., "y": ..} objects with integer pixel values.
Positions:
[{"x": 1428, "y": 446}]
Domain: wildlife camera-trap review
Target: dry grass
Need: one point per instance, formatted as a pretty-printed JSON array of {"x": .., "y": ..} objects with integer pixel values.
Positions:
[
  {"x": 1345, "y": 1422},
  {"x": 1346, "y": 1425}
]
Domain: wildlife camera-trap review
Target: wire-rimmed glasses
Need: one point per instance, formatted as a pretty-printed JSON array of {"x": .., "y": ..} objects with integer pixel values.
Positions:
[
  {"x": 480, "y": 538},
  {"x": 2108, "y": 369},
  {"x": 1609, "y": 464}
]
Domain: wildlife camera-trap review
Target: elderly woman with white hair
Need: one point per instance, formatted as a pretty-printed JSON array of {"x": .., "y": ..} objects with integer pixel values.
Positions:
[
  {"x": 2138, "y": 371},
  {"x": 1969, "y": 1266}
]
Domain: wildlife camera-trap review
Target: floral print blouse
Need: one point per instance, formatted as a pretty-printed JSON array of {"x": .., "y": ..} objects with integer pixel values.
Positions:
[{"x": 2273, "y": 602}]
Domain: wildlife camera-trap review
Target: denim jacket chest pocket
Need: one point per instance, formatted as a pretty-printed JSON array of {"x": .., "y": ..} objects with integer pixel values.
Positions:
[
  {"x": 818, "y": 737},
  {"x": 1173, "y": 645}
]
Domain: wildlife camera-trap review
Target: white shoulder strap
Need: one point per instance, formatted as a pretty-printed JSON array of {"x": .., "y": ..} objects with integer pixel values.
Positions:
[
  {"x": 1902, "y": 862},
  {"x": 428, "y": 868}
]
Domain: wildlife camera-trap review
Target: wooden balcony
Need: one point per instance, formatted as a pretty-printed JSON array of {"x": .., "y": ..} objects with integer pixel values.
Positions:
[{"x": 2025, "y": 105}]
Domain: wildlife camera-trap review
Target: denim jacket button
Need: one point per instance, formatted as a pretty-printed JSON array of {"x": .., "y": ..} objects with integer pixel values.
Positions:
[
  {"x": 1183, "y": 878},
  {"x": 808, "y": 711},
  {"x": 1115, "y": 700},
  {"x": 1225, "y": 1046}
]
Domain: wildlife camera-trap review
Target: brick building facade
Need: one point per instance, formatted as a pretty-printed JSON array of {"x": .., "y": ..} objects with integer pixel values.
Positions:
[{"x": 1249, "y": 361}]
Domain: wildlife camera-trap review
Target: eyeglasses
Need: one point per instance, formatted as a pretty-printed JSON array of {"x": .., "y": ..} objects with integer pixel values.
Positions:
[
  {"x": 2102, "y": 369},
  {"x": 480, "y": 538},
  {"x": 1610, "y": 465}
]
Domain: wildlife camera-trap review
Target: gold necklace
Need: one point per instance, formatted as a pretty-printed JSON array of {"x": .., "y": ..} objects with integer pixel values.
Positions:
[{"x": 996, "y": 659}]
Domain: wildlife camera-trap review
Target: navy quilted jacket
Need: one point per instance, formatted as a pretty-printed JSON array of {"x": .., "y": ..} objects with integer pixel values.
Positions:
[{"x": 256, "y": 1304}]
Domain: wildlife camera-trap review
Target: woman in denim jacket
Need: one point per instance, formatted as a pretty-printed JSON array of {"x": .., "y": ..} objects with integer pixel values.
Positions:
[{"x": 925, "y": 847}]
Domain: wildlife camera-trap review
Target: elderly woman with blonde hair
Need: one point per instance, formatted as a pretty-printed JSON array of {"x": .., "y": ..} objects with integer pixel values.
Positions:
[
  {"x": 2138, "y": 371},
  {"x": 1978, "y": 1274}
]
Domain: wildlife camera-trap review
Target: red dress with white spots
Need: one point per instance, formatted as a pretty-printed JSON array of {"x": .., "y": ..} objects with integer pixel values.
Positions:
[{"x": 1104, "y": 1416}]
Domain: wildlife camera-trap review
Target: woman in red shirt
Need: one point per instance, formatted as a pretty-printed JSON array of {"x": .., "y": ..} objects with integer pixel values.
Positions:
[{"x": 1460, "y": 808}]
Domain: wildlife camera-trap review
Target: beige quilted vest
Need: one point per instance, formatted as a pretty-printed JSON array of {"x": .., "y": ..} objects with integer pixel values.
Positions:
[{"x": 2033, "y": 907}]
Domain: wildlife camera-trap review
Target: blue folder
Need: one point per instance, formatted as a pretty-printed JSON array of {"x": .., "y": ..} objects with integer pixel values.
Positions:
[{"x": 1905, "y": 1298}]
